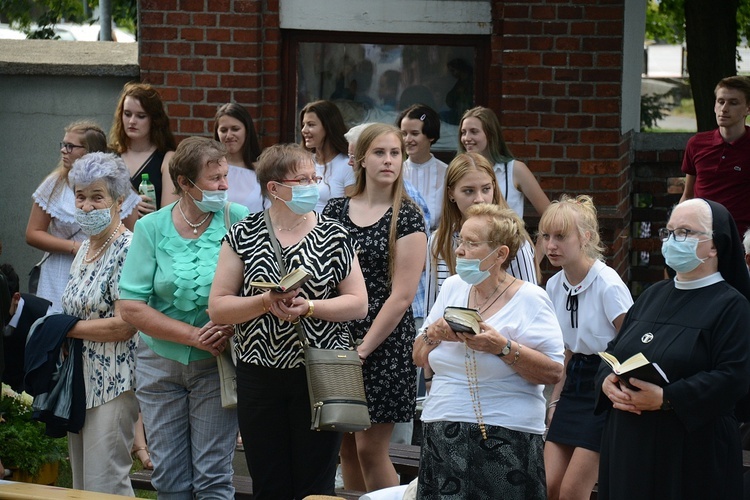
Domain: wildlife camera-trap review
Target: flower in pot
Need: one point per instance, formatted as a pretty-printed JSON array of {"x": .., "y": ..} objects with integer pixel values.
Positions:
[{"x": 24, "y": 445}]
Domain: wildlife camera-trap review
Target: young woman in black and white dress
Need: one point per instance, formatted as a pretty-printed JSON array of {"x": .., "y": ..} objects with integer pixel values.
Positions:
[{"x": 590, "y": 301}]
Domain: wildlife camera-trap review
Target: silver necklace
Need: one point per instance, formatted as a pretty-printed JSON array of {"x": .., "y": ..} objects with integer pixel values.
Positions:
[
  {"x": 194, "y": 226},
  {"x": 278, "y": 228},
  {"x": 101, "y": 248},
  {"x": 476, "y": 293}
]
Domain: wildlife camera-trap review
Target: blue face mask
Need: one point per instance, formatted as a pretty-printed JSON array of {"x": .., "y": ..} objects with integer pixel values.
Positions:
[
  {"x": 681, "y": 255},
  {"x": 304, "y": 198},
  {"x": 468, "y": 269},
  {"x": 94, "y": 222},
  {"x": 212, "y": 201}
]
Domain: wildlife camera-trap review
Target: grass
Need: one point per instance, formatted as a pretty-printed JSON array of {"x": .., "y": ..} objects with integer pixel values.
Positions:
[{"x": 686, "y": 108}]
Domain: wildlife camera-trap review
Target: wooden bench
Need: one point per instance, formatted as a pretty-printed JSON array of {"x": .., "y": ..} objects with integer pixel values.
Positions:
[
  {"x": 243, "y": 486},
  {"x": 29, "y": 491},
  {"x": 405, "y": 458}
]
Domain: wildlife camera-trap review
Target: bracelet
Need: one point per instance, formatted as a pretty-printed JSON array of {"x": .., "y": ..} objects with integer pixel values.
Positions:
[
  {"x": 73, "y": 250},
  {"x": 553, "y": 403},
  {"x": 517, "y": 355},
  {"x": 263, "y": 302},
  {"x": 310, "y": 310},
  {"x": 427, "y": 340}
]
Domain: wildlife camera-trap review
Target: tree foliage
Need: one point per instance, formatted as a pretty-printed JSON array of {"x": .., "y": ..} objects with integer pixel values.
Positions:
[
  {"x": 37, "y": 18},
  {"x": 711, "y": 31}
]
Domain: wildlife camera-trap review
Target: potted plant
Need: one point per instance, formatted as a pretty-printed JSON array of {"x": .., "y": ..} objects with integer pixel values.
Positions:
[{"x": 25, "y": 448}]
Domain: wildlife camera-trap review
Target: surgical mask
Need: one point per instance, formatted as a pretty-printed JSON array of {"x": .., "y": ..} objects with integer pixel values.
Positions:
[
  {"x": 94, "y": 222},
  {"x": 212, "y": 201},
  {"x": 304, "y": 198},
  {"x": 681, "y": 255},
  {"x": 468, "y": 269}
]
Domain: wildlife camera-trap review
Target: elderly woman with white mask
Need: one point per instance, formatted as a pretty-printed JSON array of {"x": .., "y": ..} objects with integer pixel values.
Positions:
[{"x": 695, "y": 328}]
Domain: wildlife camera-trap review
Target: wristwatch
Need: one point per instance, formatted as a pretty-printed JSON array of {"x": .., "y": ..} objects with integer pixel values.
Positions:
[
  {"x": 666, "y": 405},
  {"x": 506, "y": 350}
]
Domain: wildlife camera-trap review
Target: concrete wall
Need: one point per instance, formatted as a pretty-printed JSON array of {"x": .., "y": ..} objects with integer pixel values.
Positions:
[{"x": 45, "y": 85}]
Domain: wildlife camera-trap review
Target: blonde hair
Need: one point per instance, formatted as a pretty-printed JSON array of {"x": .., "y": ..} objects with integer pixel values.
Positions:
[
  {"x": 398, "y": 193},
  {"x": 504, "y": 225},
  {"x": 575, "y": 214},
  {"x": 93, "y": 139},
  {"x": 450, "y": 221}
]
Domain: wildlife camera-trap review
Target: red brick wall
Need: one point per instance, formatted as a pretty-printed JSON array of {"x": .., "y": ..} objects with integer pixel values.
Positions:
[
  {"x": 203, "y": 53},
  {"x": 555, "y": 82}
]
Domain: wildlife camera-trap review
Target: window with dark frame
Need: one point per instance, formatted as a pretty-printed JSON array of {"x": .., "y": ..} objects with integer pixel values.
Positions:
[{"x": 372, "y": 77}]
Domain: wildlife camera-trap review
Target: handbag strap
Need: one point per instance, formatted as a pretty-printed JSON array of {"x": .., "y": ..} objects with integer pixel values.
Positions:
[
  {"x": 227, "y": 222},
  {"x": 277, "y": 250}
]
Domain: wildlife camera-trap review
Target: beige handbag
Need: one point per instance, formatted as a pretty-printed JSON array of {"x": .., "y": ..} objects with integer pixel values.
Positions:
[{"x": 225, "y": 361}]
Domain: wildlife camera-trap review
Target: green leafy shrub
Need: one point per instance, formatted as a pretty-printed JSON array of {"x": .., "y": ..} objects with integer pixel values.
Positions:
[{"x": 23, "y": 443}]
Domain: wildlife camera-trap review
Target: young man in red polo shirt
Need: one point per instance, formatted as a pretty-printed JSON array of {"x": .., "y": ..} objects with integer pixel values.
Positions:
[{"x": 717, "y": 163}]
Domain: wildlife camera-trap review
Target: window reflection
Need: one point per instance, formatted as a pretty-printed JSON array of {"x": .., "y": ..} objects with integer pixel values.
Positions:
[{"x": 373, "y": 82}]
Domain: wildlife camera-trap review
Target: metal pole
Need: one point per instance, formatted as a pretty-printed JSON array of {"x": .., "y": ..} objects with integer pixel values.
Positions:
[{"x": 105, "y": 20}]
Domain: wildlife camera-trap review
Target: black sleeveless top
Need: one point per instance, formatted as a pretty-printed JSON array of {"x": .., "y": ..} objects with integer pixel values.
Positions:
[{"x": 152, "y": 167}]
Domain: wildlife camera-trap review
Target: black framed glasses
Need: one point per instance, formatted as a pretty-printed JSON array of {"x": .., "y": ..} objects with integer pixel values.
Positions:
[
  {"x": 68, "y": 147},
  {"x": 679, "y": 234},
  {"x": 458, "y": 241},
  {"x": 306, "y": 181}
]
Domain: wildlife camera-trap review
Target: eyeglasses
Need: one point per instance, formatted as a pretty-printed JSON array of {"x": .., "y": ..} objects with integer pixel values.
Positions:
[
  {"x": 458, "y": 241},
  {"x": 68, "y": 147},
  {"x": 304, "y": 181},
  {"x": 679, "y": 234}
]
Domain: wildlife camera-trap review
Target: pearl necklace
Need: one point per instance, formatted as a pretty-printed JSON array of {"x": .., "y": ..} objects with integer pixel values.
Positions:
[
  {"x": 470, "y": 361},
  {"x": 194, "y": 226},
  {"x": 304, "y": 218},
  {"x": 101, "y": 248}
]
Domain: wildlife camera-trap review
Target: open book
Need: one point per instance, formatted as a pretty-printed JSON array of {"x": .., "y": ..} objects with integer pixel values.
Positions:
[
  {"x": 291, "y": 281},
  {"x": 636, "y": 366},
  {"x": 462, "y": 319}
]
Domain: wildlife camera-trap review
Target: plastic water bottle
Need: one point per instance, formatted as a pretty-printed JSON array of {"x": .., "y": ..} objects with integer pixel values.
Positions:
[{"x": 146, "y": 188}]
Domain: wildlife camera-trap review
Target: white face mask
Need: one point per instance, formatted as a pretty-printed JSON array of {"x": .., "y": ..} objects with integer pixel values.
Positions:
[
  {"x": 212, "y": 201},
  {"x": 94, "y": 222}
]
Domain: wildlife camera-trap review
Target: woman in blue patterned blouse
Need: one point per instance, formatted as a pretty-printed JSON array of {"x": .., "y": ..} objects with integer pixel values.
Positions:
[
  {"x": 165, "y": 287},
  {"x": 100, "y": 452}
]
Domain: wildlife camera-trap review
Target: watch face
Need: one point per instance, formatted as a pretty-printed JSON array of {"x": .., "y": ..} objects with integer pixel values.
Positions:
[{"x": 506, "y": 350}]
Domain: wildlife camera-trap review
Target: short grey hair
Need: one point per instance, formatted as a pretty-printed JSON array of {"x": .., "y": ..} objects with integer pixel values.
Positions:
[
  {"x": 746, "y": 241},
  {"x": 106, "y": 167},
  {"x": 353, "y": 135}
]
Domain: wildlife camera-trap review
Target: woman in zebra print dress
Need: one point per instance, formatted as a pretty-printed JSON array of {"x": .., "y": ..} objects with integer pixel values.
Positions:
[{"x": 285, "y": 458}]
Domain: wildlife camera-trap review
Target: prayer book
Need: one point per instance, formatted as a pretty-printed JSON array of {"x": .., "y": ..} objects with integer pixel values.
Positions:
[
  {"x": 291, "y": 281},
  {"x": 462, "y": 319},
  {"x": 637, "y": 366}
]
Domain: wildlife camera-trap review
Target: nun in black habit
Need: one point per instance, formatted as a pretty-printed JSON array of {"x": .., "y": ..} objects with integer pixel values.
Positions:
[{"x": 682, "y": 441}]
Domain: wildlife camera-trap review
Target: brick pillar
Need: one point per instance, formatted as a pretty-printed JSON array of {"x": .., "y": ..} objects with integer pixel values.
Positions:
[{"x": 555, "y": 83}]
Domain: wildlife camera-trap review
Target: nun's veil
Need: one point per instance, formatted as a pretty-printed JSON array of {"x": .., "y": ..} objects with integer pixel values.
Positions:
[{"x": 730, "y": 252}]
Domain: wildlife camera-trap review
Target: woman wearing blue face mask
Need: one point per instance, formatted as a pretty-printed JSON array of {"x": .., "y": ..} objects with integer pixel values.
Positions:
[
  {"x": 695, "y": 328},
  {"x": 285, "y": 457},
  {"x": 483, "y": 419},
  {"x": 100, "y": 452},
  {"x": 164, "y": 290}
]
